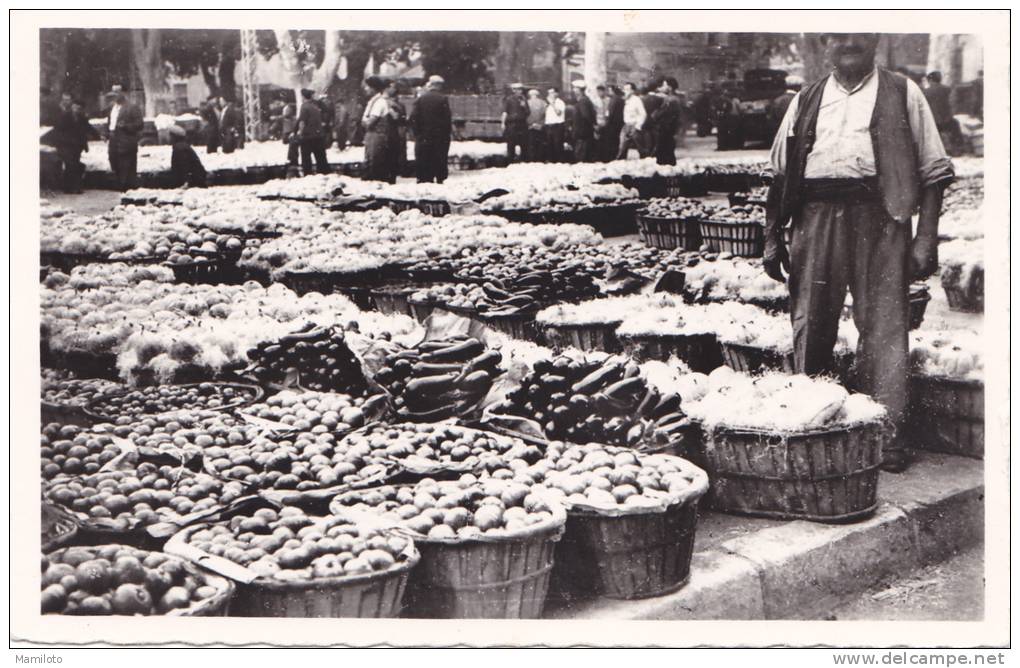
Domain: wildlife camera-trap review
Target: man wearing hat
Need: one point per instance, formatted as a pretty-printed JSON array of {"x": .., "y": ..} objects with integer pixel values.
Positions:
[
  {"x": 515, "y": 123},
  {"x": 71, "y": 136},
  {"x": 311, "y": 134},
  {"x": 432, "y": 123},
  {"x": 856, "y": 155},
  {"x": 665, "y": 122},
  {"x": 124, "y": 123},
  {"x": 583, "y": 123},
  {"x": 185, "y": 165}
]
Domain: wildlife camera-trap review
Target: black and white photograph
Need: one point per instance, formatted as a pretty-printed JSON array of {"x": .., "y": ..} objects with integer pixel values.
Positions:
[{"x": 573, "y": 328}]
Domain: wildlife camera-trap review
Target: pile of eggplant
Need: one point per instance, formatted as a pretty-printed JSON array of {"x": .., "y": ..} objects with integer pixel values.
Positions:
[{"x": 314, "y": 358}]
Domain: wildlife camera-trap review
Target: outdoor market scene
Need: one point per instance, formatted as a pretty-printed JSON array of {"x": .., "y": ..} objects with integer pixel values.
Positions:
[{"x": 511, "y": 325}]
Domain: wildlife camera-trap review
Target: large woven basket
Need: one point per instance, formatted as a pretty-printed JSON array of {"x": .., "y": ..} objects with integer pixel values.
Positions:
[
  {"x": 631, "y": 554},
  {"x": 670, "y": 233},
  {"x": 515, "y": 325},
  {"x": 741, "y": 239},
  {"x": 372, "y": 595},
  {"x": 213, "y": 606},
  {"x": 686, "y": 185},
  {"x": 821, "y": 476},
  {"x": 751, "y": 359},
  {"x": 701, "y": 352},
  {"x": 594, "y": 337},
  {"x": 961, "y": 300},
  {"x": 327, "y": 283},
  {"x": 947, "y": 415},
  {"x": 498, "y": 579}
]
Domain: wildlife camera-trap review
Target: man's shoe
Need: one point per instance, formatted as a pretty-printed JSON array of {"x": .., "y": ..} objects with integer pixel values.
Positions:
[{"x": 896, "y": 461}]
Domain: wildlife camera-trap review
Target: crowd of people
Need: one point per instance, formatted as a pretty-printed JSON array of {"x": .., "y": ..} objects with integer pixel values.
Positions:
[
  {"x": 584, "y": 126},
  {"x": 595, "y": 128}
]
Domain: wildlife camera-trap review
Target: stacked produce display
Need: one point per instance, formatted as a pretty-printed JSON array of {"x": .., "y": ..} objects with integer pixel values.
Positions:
[{"x": 444, "y": 400}]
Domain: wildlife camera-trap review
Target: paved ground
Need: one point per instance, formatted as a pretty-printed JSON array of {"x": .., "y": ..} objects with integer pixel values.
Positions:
[{"x": 950, "y": 591}]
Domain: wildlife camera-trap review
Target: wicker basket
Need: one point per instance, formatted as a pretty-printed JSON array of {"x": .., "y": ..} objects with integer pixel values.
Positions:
[
  {"x": 821, "y": 476},
  {"x": 583, "y": 337},
  {"x": 751, "y": 359},
  {"x": 213, "y": 606},
  {"x": 686, "y": 185},
  {"x": 960, "y": 300},
  {"x": 515, "y": 325},
  {"x": 632, "y": 554},
  {"x": 373, "y": 595},
  {"x": 701, "y": 352},
  {"x": 947, "y": 415},
  {"x": 393, "y": 299},
  {"x": 91, "y": 408},
  {"x": 421, "y": 310},
  {"x": 670, "y": 233},
  {"x": 741, "y": 239},
  {"x": 498, "y": 579}
]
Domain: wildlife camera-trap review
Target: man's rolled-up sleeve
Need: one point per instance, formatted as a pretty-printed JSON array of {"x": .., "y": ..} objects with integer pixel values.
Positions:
[
  {"x": 933, "y": 165},
  {"x": 777, "y": 158}
]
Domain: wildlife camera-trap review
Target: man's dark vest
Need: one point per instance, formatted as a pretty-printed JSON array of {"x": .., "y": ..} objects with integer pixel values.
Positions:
[{"x": 891, "y": 140}]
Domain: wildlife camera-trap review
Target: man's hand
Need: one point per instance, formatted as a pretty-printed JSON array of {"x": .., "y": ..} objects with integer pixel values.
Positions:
[
  {"x": 776, "y": 259},
  {"x": 924, "y": 257}
]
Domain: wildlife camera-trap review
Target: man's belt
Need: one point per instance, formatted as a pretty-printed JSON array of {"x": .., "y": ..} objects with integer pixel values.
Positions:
[{"x": 840, "y": 190}]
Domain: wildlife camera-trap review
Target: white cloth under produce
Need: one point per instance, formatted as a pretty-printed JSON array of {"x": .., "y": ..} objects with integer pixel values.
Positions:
[{"x": 842, "y": 147}]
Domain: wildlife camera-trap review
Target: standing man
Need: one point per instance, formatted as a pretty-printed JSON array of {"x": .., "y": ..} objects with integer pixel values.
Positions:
[
  {"x": 652, "y": 100},
  {"x": 555, "y": 126},
  {"x": 585, "y": 118},
  {"x": 210, "y": 113},
  {"x": 432, "y": 123},
  {"x": 536, "y": 126},
  {"x": 310, "y": 132},
  {"x": 610, "y": 139},
  {"x": 125, "y": 124},
  {"x": 665, "y": 121},
  {"x": 634, "y": 117},
  {"x": 231, "y": 126},
  {"x": 326, "y": 106},
  {"x": 937, "y": 96},
  {"x": 288, "y": 129},
  {"x": 856, "y": 155},
  {"x": 71, "y": 134},
  {"x": 601, "y": 104},
  {"x": 397, "y": 151},
  {"x": 514, "y": 123}
]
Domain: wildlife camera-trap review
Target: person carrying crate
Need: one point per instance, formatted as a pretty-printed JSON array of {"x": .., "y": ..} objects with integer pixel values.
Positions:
[{"x": 856, "y": 154}]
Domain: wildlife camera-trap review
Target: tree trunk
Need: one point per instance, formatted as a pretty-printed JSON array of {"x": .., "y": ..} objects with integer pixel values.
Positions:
[
  {"x": 209, "y": 75},
  {"x": 225, "y": 71},
  {"x": 325, "y": 75},
  {"x": 594, "y": 60},
  {"x": 506, "y": 58},
  {"x": 147, "y": 55},
  {"x": 812, "y": 52}
]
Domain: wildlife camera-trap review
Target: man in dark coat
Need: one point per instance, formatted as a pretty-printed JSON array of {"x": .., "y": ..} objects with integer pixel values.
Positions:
[
  {"x": 124, "y": 123},
  {"x": 610, "y": 137},
  {"x": 665, "y": 121},
  {"x": 652, "y": 101},
  {"x": 937, "y": 95},
  {"x": 583, "y": 123},
  {"x": 515, "y": 123},
  {"x": 210, "y": 113},
  {"x": 856, "y": 156},
  {"x": 328, "y": 117},
  {"x": 231, "y": 126},
  {"x": 310, "y": 130},
  {"x": 432, "y": 123},
  {"x": 71, "y": 137},
  {"x": 185, "y": 166}
]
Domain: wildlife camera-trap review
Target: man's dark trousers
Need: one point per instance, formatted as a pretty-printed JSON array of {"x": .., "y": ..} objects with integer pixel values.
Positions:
[
  {"x": 853, "y": 243},
  {"x": 314, "y": 146},
  {"x": 431, "y": 160},
  {"x": 124, "y": 162}
]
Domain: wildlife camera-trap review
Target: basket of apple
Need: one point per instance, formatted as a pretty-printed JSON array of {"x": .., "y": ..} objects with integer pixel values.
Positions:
[
  {"x": 287, "y": 563},
  {"x": 631, "y": 518},
  {"x": 487, "y": 546},
  {"x": 123, "y": 580}
]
